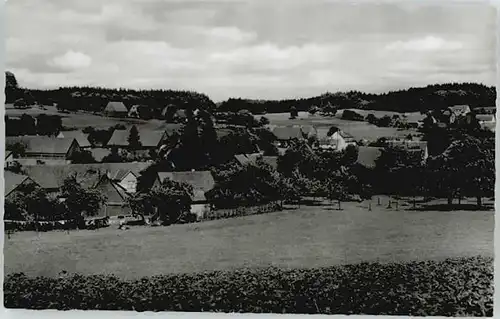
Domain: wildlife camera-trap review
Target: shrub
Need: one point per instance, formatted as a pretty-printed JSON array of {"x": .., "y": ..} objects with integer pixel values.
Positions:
[{"x": 462, "y": 286}]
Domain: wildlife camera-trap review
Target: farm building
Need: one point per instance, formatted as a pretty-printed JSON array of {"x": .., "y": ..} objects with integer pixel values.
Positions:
[
  {"x": 420, "y": 146},
  {"x": 116, "y": 109},
  {"x": 139, "y": 112},
  {"x": 13, "y": 181},
  {"x": 335, "y": 139},
  {"x": 201, "y": 181},
  {"x": 44, "y": 149},
  {"x": 460, "y": 110},
  {"x": 80, "y": 137},
  {"x": 51, "y": 177},
  {"x": 285, "y": 134},
  {"x": 150, "y": 139},
  {"x": 485, "y": 118},
  {"x": 367, "y": 156}
]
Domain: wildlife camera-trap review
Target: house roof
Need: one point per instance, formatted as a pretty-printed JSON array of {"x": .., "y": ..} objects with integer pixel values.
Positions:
[
  {"x": 346, "y": 135},
  {"x": 245, "y": 159},
  {"x": 115, "y": 106},
  {"x": 12, "y": 181},
  {"x": 367, "y": 155},
  {"x": 409, "y": 144},
  {"x": 42, "y": 144},
  {"x": 287, "y": 132},
  {"x": 99, "y": 153},
  {"x": 485, "y": 117},
  {"x": 201, "y": 181},
  {"x": 80, "y": 137},
  {"x": 307, "y": 129},
  {"x": 271, "y": 160},
  {"x": 460, "y": 109},
  {"x": 148, "y": 138},
  {"x": 7, "y": 154},
  {"x": 88, "y": 175}
]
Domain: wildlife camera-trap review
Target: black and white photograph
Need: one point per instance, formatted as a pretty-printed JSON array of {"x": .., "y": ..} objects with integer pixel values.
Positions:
[{"x": 250, "y": 156}]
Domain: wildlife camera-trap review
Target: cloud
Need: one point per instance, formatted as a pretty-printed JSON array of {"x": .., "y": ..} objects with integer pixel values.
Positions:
[
  {"x": 71, "y": 60},
  {"x": 248, "y": 48},
  {"x": 428, "y": 44}
]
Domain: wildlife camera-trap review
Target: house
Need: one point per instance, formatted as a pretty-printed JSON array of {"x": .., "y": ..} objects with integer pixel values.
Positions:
[
  {"x": 335, "y": 139},
  {"x": 134, "y": 111},
  {"x": 13, "y": 181},
  {"x": 115, "y": 109},
  {"x": 410, "y": 145},
  {"x": 116, "y": 198},
  {"x": 150, "y": 139},
  {"x": 460, "y": 110},
  {"x": 201, "y": 181},
  {"x": 9, "y": 159},
  {"x": 487, "y": 121},
  {"x": 51, "y": 177},
  {"x": 80, "y": 137},
  {"x": 285, "y": 134},
  {"x": 307, "y": 130},
  {"x": 44, "y": 149},
  {"x": 367, "y": 156}
]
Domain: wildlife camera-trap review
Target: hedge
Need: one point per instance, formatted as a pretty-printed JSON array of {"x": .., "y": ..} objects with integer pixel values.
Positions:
[{"x": 452, "y": 287}]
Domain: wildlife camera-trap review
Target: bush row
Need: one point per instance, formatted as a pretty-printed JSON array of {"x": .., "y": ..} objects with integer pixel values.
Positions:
[
  {"x": 242, "y": 211},
  {"x": 449, "y": 288},
  {"x": 16, "y": 225}
]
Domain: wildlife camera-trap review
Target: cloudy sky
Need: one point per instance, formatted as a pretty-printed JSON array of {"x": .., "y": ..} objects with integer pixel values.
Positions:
[{"x": 254, "y": 48}]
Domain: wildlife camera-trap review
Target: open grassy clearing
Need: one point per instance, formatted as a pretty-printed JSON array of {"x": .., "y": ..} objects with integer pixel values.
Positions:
[
  {"x": 358, "y": 129},
  {"x": 312, "y": 236},
  {"x": 83, "y": 119}
]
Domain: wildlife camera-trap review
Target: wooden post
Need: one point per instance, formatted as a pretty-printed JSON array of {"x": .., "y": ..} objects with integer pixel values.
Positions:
[{"x": 378, "y": 201}]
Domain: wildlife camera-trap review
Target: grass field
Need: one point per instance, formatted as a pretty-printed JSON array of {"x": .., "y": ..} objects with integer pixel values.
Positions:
[
  {"x": 82, "y": 119},
  {"x": 358, "y": 129},
  {"x": 312, "y": 236}
]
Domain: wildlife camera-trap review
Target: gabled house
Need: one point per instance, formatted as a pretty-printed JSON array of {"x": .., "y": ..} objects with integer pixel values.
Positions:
[
  {"x": 487, "y": 121},
  {"x": 13, "y": 181},
  {"x": 78, "y": 135},
  {"x": 44, "y": 149},
  {"x": 150, "y": 139},
  {"x": 9, "y": 159},
  {"x": 335, "y": 139},
  {"x": 460, "y": 110},
  {"x": 115, "y": 109},
  {"x": 116, "y": 198},
  {"x": 201, "y": 181}
]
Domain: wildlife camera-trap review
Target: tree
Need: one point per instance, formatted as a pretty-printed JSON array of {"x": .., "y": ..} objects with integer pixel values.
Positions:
[
  {"x": 337, "y": 188},
  {"x": 372, "y": 119},
  {"x": 293, "y": 112},
  {"x": 82, "y": 157},
  {"x": 172, "y": 201},
  {"x": 133, "y": 139},
  {"x": 18, "y": 149},
  {"x": 313, "y": 109},
  {"x": 80, "y": 202},
  {"x": 264, "y": 121}
]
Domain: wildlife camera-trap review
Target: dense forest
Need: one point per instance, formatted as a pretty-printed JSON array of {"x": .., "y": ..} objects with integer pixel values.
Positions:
[
  {"x": 94, "y": 99},
  {"x": 431, "y": 97}
]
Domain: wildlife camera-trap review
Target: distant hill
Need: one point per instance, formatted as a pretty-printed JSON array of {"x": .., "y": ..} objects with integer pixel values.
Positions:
[{"x": 410, "y": 100}]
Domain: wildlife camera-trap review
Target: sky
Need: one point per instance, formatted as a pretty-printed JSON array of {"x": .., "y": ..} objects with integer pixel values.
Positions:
[{"x": 249, "y": 48}]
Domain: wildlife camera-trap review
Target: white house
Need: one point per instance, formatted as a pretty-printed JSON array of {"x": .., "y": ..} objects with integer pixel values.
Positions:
[{"x": 337, "y": 141}]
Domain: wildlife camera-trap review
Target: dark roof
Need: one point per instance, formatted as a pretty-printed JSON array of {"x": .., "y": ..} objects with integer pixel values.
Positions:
[
  {"x": 53, "y": 176},
  {"x": 148, "y": 138},
  {"x": 42, "y": 144},
  {"x": 367, "y": 155},
  {"x": 201, "y": 181},
  {"x": 78, "y": 135},
  {"x": 115, "y": 106},
  {"x": 12, "y": 181},
  {"x": 287, "y": 132}
]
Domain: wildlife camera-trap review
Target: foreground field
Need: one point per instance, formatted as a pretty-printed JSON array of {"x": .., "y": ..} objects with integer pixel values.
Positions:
[{"x": 307, "y": 237}]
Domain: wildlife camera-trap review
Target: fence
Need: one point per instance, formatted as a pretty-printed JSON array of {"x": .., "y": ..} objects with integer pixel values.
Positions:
[{"x": 242, "y": 211}]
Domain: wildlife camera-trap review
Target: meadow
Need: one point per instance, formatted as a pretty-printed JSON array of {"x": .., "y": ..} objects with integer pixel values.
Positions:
[
  {"x": 358, "y": 129},
  {"x": 309, "y": 237}
]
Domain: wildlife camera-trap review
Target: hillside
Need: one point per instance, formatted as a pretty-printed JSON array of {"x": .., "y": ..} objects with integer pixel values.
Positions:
[{"x": 410, "y": 100}]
